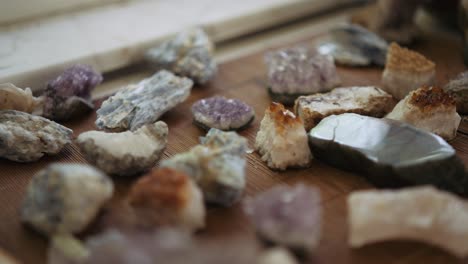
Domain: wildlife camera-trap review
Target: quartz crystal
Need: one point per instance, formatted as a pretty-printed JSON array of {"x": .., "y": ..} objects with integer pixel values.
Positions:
[
  {"x": 15, "y": 98},
  {"x": 282, "y": 139},
  {"x": 390, "y": 153},
  {"x": 288, "y": 216},
  {"x": 458, "y": 88},
  {"x": 165, "y": 197},
  {"x": 65, "y": 198},
  {"x": 69, "y": 94},
  {"x": 188, "y": 54},
  {"x": 217, "y": 165},
  {"x": 365, "y": 100},
  {"x": 25, "y": 137},
  {"x": 222, "y": 113},
  {"x": 423, "y": 214},
  {"x": 430, "y": 109},
  {"x": 297, "y": 71},
  {"x": 355, "y": 46},
  {"x": 144, "y": 103},
  {"x": 125, "y": 153}
]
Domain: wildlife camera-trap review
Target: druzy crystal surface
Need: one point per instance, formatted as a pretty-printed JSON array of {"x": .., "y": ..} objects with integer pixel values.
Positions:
[
  {"x": 69, "y": 94},
  {"x": 390, "y": 153},
  {"x": 25, "y": 137},
  {"x": 222, "y": 113},
  {"x": 288, "y": 216}
]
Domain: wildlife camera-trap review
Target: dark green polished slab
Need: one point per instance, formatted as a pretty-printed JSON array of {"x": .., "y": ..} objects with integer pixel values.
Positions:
[{"x": 390, "y": 153}]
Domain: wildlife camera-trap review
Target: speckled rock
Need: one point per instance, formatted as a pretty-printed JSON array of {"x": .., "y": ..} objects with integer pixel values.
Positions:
[
  {"x": 65, "y": 198},
  {"x": 288, "y": 216},
  {"x": 188, "y": 54},
  {"x": 217, "y": 165},
  {"x": 15, "y": 98},
  {"x": 125, "y": 153},
  {"x": 222, "y": 113},
  {"x": 139, "y": 104},
  {"x": 26, "y": 138},
  {"x": 69, "y": 95}
]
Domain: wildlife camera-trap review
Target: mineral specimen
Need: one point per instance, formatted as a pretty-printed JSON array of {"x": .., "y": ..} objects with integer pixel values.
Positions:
[
  {"x": 390, "y": 153},
  {"x": 282, "y": 140},
  {"x": 165, "y": 197},
  {"x": 65, "y": 198},
  {"x": 366, "y": 100},
  {"x": 423, "y": 214},
  {"x": 431, "y": 109},
  {"x": 297, "y": 71},
  {"x": 277, "y": 256},
  {"x": 143, "y": 103},
  {"x": 406, "y": 70},
  {"x": 355, "y": 46},
  {"x": 125, "y": 153},
  {"x": 458, "y": 88},
  {"x": 288, "y": 216},
  {"x": 26, "y": 138},
  {"x": 222, "y": 113},
  {"x": 66, "y": 249},
  {"x": 14, "y": 98},
  {"x": 189, "y": 54},
  {"x": 69, "y": 95},
  {"x": 217, "y": 165}
]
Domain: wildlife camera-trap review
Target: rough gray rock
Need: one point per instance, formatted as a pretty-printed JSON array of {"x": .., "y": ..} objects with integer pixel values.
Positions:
[
  {"x": 125, "y": 153},
  {"x": 65, "y": 198},
  {"x": 188, "y": 54},
  {"x": 458, "y": 88},
  {"x": 25, "y": 137},
  {"x": 143, "y": 103}
]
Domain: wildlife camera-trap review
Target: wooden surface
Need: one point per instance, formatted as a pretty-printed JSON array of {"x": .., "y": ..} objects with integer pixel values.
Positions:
[{"x": 244, "y": 78}]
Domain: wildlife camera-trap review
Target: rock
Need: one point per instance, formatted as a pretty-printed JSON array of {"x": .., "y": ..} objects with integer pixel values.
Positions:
[
  {"x": 430, "y": 109},
  {"x": 165, "y": 197},
  {"x": 297, "y": 71},
  {"x": 217, "y": 165},
  {"x": 390, "y": 153},
  {"x": 423, "y": 214},
  {"x": 15, "y": 98},
  {"x": 282, "y": 140},
  {"x": 125, "y": 153},
  {"x": 65, "y": 198},
  {"x": 277, "y": 256},
  {"x": 222, "y": 113},
  {"x": 354, "y": 45},
  {"x": 405, "y": 71},
  {"x": 144, "y": 103},
  {"x": 188, "y": 54},
  {"x": 26, "y": 138},
  {"x": 365, "y": 100},
  {"x": 66, "y": 249},
  {"x": 458, "y": 89},
  {"x": 288, "y": 216},
  {"x": 6, "y": 258},
  {"x": 69, "y": 95}
]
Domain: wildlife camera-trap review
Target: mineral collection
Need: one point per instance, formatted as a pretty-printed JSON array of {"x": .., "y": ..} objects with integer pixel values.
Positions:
[
  {"x": 125, "y": 153},
  {"x": 144, "y": 103}
]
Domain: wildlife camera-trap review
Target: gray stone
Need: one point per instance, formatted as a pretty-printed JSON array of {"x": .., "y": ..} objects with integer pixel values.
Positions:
[
  {"x": 25, "y": 137},
  {"x": 458, "y": 88}
]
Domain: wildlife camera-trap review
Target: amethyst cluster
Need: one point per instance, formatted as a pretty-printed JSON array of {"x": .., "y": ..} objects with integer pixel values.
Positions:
[
  {"x": 69, "y": 94},
  {"x": 297, "y": 71},
  {"x": 288, "y": 216},
  {"x": 222, "y": 113}
]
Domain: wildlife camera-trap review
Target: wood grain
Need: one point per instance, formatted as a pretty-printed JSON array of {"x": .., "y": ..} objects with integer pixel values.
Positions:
[{"x": 245, "y": 79}]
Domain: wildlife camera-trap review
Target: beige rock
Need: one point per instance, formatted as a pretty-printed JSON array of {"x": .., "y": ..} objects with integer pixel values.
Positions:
[
  {"x": 277, "y": 256},
  {"x": 15, "y": 98}
]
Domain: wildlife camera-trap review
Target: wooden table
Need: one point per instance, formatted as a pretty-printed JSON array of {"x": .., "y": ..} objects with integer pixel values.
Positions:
[{"x": 244, "y": 78}]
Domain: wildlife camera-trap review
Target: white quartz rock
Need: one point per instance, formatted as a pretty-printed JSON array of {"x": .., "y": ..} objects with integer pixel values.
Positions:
[
  {"x": 282, "y": 139},
  {"x": 65, "y": 198},
  {"x": 421, "y": 213},
  {"x": 125, "y": 153},
  {"x": 15, "y": 98},
  {"x": 431, "y": 109}
]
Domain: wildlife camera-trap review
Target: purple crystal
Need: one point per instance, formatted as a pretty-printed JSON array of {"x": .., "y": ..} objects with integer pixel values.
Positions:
[
  {"x": 298, "y": 71},
  {"x": 288, "y": 216},
  {"x": 222, "y": 113},
  {"x": 69, "y": 94}
]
